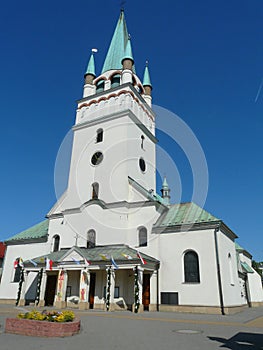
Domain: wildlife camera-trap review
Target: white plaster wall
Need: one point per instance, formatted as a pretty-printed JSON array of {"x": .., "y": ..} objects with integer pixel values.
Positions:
[
  {"x": 121, "y": 148},
  {"x": 124, "y": 280},
  {"x": 254, "y": 282},
  {"x": 112, "y": 226},
  {"x": 101, "y": 280},
  {"x": 169, "y": 248},
  {"x": 255, "y": 287},
  {"x": 230, "y": 285},
  {"x": 73, "y": 282},
  {"x": 8, "y": 289}
]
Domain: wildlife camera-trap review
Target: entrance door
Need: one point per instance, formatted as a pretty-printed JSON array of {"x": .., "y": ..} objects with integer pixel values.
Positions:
[
  {"x": 146, "y": 292},
  {"x": 92, "y": 290},
  {"x": 50, "y": 290}
]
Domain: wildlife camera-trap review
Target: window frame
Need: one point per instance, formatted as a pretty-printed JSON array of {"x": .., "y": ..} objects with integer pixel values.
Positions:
[
  {"x": 56, "y": 243},
  {"x": 95, "y": 190},
  {"x": 99, "y": 136},
  {"x": 191, "y": 268},
  {"x": 91, "y": 243},
  {"x": 143, "y": 241}
]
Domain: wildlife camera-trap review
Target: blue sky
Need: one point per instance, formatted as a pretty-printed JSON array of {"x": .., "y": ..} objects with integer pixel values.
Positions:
[{"x": 205, "y": 60}]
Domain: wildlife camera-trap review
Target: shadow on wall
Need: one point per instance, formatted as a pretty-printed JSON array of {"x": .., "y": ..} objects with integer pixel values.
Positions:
[{"x": 241, "y": 341}]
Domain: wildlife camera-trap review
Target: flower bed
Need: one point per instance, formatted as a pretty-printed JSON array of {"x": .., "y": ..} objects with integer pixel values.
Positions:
[{"x": 52, "y": 324}]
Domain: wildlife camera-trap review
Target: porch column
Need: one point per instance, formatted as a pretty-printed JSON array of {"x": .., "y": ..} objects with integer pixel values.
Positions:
[
  {"x": 140, "y": 280},
  {"x": 84, "y": 287},
  {"x": 22, "y": 300},
  {"x": 138, "y": 274},
  {"x": 60, "y": 298},
  {"x": 153, "y": 291},
  {"x": 110, "y": 286},
  {"x": 43, "y": 289},
  {"x": 112, "y": 289}
]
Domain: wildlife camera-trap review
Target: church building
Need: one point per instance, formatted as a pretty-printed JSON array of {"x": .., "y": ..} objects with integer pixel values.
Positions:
[{"x": 111, "y": 242}]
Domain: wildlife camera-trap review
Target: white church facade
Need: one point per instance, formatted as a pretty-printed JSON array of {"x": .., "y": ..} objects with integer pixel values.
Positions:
[{"x": 112, "y": 243}]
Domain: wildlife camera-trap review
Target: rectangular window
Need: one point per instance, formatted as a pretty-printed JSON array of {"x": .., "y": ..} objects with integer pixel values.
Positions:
[
  {"x": 169, "y": 298},
  {"x": 116, "y": 292}
]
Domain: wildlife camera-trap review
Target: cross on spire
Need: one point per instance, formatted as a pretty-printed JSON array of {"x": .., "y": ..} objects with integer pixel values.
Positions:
[{"x": 123, "y": 2}]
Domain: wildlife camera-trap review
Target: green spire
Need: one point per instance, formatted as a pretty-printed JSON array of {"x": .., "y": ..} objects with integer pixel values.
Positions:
[
  {"x": 128, "y": 51},
  {"x": 146, "y": 76},
  {"x": 165, "y": 184},
  {"x": 91, "y": 66},
  {"x": 117, "y": 47}
]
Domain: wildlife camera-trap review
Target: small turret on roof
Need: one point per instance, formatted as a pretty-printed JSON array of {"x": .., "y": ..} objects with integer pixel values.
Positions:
[
  {"x": 128, "y": 61},
  {"x": 147, "y": 81},
  {"x": 90, "y": 72},
  {"x": 165, "y": 192}
]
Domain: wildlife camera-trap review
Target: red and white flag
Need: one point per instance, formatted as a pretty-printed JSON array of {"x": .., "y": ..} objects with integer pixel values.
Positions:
[
  {"x": 49, "y": 264},
  {"x": 87, "y": 262},
  {"x": 16, "y": 262},
  {"x": 140, "y": 257}
]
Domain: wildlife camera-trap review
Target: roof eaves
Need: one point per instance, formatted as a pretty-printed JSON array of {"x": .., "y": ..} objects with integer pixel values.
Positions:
[
  {"x": 27, "y": 241},
  {"x": 182, "y": 227}
]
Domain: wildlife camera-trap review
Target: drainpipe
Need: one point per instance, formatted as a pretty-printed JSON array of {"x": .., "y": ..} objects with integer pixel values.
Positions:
[
  {"x": 158, "y": 289},
  {"x": 219, "y": 273}
]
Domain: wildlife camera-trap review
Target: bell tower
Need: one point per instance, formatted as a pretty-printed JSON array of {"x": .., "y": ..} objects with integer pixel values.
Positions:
[{"x": 114, "y": 131}]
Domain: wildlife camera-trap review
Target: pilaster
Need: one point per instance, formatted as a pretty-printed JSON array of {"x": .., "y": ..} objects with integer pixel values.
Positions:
[
  {"x": 43, "y": 289},
  {"x": 84, "y": 287},
  {"x": 154, "y": 291},
  {"x": 60, "y": 298}
]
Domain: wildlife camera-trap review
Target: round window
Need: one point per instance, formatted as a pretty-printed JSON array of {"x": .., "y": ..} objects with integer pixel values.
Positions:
[
  {"x": 96, "y": 158},
  {"x": 142, "y": 164}
]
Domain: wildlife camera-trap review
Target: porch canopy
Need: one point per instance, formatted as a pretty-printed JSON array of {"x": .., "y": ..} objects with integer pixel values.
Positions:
[{"x": 117, "y": 256}]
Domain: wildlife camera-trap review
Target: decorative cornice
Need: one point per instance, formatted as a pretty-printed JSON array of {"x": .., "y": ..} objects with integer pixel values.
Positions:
[
  {"x": 117, "y": 115},
  {"x": 89, "y": 100},
  {"x": 103, "y": 205}
]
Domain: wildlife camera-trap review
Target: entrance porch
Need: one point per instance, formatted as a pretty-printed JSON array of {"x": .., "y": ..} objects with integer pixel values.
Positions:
[{"x": 104, "y": 278}]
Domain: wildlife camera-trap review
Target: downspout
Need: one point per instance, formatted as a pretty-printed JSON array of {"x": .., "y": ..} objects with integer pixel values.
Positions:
[
  {"x": 158, "y": 289},
  {"x": 219, "y": 273}
]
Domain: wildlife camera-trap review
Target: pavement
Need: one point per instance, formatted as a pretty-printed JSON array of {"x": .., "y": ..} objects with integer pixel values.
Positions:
[{"x": 149, "y": 330}]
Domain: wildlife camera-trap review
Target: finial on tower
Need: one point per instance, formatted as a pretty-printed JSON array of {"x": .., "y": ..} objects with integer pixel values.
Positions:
[{"x": 123, "y": 2}]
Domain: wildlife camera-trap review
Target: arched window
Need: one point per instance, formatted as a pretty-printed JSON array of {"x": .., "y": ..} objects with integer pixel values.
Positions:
[
  {"x": 142, "y": 237},
  {"x": 191, "y": 267},
  {"x": 91, "y": 239},
  {"x": 115, "y": 81},
  {"x": 56, "y": 240},
  {"x": 100, "y": 86},
  {"x": 95, "y": 190},
  {"x": 99, "y": 137}
]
